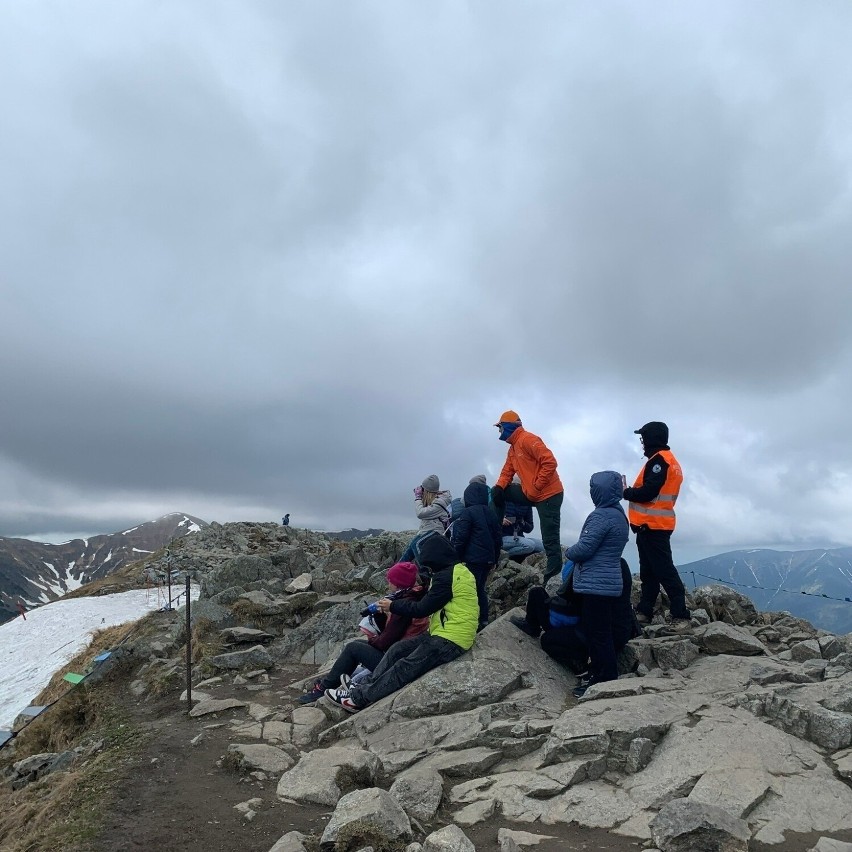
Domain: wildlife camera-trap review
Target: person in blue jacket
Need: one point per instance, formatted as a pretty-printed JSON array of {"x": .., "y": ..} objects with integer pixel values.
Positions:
[
  {"x": 597, "y": 572},
  {"x": 476, "y": 538}
]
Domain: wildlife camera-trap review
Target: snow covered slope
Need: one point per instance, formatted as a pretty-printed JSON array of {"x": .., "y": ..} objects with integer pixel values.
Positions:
[{"x": 32, "y": 650}]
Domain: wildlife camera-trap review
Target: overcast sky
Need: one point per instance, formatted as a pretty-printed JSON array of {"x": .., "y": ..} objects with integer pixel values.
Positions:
[{"x": 259, "y": 257}]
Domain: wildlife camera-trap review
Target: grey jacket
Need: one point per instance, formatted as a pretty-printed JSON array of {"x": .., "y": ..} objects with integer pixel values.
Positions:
[
  {"x": 436, "y": 515},
  {"x": 597, "y": 554}
]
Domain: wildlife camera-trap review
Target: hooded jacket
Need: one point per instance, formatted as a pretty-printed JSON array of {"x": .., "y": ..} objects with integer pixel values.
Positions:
[
  {"x": 660, "y": 478},
  {"x": 597, "y": 554},
  {"x": 530, "y": 458},
  {"x": 476, "y": 534},
  {"x": 451, "y": 602}
]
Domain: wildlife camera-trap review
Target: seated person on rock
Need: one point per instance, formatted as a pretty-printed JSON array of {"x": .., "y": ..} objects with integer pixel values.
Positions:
[
  {"x": 598, "y": 573},
  {"x": 518, "y": 521},
  {"x": 453, "y": 609},
  {"x": 393, "y": 627}
]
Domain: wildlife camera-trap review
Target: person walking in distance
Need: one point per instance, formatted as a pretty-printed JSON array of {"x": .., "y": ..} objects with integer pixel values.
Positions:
[
  {"x": 651, "y": 514},
  {"x": 539, "y": 486}
]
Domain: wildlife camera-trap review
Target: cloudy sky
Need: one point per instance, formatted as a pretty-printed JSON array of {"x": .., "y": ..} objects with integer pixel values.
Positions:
[{"x": 259, "y": 258}]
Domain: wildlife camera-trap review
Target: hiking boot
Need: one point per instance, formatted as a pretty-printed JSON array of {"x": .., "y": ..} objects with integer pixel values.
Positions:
[
  {"x": 340, "y": 697},
  {"x": 642, "y": 618},
  {"x": 345, "y": 680},
  {"x": 523, "y": 624},
  {"x": 314, "y": 695},
  {"x": 679, "y": 625}
]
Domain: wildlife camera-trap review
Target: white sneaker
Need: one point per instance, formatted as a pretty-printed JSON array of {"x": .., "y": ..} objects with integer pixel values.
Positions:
[{"x": 345, "y": 680}]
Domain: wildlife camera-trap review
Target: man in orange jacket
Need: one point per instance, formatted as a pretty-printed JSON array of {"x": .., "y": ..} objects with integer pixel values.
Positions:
[{"x": 540, "y": 485}]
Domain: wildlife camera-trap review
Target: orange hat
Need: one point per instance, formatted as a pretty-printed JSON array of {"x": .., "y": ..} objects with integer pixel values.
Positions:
[{"x": 509, "y": 417}]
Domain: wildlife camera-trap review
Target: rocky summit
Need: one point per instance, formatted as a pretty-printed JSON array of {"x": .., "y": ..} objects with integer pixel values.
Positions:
[{"x": 734, "y": 734}]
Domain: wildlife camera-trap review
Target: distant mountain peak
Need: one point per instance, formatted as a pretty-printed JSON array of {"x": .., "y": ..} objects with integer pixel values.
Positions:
[{"x": 36, "y": 573}]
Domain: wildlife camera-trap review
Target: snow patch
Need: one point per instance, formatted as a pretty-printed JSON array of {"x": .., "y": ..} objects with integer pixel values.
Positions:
[{"x": 32, "y": 650}]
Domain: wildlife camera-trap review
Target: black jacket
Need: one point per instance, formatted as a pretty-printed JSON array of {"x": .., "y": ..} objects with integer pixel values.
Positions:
[
  {"x": 476, "y": 534},
  {"x": 437, "y": 558}
]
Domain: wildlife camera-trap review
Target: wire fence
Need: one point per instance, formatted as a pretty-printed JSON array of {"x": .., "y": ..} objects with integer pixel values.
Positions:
[
  {"x": 34, "y": 712},
  {"x": 766, "y": 588}
]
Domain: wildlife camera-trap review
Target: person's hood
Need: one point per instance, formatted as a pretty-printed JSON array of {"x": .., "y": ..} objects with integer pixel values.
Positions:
[
  {"x": 606, "y": 489},
  {"x": 476, "y": 494},
  {"x": 655, "y": 437},
  {"x": 436, "y": 553}
]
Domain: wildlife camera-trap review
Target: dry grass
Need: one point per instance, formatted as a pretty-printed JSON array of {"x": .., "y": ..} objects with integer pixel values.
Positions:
[
  {"x": 206, "y": 641},
  {"x": 63, "y": 811}
]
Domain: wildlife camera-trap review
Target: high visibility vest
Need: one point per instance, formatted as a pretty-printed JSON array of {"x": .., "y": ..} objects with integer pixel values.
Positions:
[{"x": 659, "y": 514}]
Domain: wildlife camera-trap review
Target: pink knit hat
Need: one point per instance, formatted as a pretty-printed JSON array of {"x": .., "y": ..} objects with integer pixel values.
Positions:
[{"x": 403, "y": 574}]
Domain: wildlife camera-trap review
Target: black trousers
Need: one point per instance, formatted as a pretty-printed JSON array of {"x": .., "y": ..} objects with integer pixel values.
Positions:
[
  {"x": 480, "y": 574},
  {"x": 597, "y": 627},
  {"x": 657, "y": 568},
  {"x": 404, "y": 662},
  {"x": 355, "y": 653}
]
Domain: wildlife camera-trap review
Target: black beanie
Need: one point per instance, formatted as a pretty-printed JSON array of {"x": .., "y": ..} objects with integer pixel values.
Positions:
[{"x": 435, "y": 552}]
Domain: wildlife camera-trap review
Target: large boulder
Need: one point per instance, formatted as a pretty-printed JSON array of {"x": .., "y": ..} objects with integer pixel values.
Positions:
[
  {"x": 686, "y": 826},
  {"x": 725, "y": 604},
  {"x": 239, "y": 571},
  {"x": 320, "y": 776},
  {"x": 363, "y": 817},
  {"x": 721, "y": 638}
]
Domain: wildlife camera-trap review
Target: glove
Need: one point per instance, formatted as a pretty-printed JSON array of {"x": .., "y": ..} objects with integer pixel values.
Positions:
[
  {"x": 496, "y": 494},
  {"x": 418, "y": 492}
]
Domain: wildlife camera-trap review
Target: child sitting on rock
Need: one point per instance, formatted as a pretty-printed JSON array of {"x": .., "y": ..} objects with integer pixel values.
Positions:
[
  {"x": 393, "y": 627},
  {"x": 453, "y": 608}
]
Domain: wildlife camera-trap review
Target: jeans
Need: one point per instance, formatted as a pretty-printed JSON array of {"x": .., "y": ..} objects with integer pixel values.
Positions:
[
  {"x": 404, "y": 662},
  {"x": 549, "y": 512},
  {"x": 355, "y": 653},
  {"x": 520, "y": 546},
  {"x": 656, "y": 568}
]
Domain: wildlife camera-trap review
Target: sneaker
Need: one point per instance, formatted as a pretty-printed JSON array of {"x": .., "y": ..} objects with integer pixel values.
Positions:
[
  {"x": 580, "y": 690},
  {"x": 345, "y": 680},
  {"x": 314, "y": 695},
  {"x": 642, "y": 618},
  {"x": 523, "y": 624},
  {"x": 340, "y": 697}
]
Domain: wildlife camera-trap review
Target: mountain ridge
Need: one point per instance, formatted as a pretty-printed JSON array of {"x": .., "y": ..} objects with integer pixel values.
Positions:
[{"x": 35, "y": 573}]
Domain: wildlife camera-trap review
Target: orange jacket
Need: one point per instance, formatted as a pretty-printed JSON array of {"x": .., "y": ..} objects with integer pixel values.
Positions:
[
  {"x": 535, "y": 465},
  {"x": 659, "y": 514}
]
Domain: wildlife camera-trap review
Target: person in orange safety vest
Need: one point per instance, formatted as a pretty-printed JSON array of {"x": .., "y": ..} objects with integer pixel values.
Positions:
[{"x": 651, "y": 514}]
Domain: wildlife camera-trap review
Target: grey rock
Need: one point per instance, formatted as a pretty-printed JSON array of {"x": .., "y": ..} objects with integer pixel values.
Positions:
[
  {"x": 290, "y": 842},
  {"x": 686, "y": 826},
  {"x": 239, "y": 571},
  {"x": 826, "y": 844},
  {"x": 676, "y": 654},
  {"x": 721, "y": 638},
  {"x": 318, "y": 776},
  {"x": 807, "y": 650},
  {"x": 251, "y": 658},
  {"x": 214, "y": 705},
  {"x": 299, "y": 584},
  {"x": 521, "y": 838},
  {"x": 228, "y": 596},
  {"x": 244, "y": 636},
  {"x": 419, "y": 792},
  {"x": 724, "y": 604},
  {"x": 365, "y": 816},
  {"x": 265, "y": 758},
  {"x": 448, "y": 839},
  {"x": 290, "y": 560}
]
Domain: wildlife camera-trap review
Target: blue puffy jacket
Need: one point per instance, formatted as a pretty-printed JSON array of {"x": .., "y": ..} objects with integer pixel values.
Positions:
[
  {"x": 597, "y": 554},
  {"x": 476, "y": 533}
]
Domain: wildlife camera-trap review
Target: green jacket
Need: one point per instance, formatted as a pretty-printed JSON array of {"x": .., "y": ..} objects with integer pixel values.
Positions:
[{"x": 451, "y": 603}]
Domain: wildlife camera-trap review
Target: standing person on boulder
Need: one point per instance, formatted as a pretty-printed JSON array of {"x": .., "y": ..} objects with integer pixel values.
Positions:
[
  {"x": 597, "y": 573},
  {"x": 652, "y": 517},
  {"x": 540, "y": 486},
  {"x": 476, "y": 538}
]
